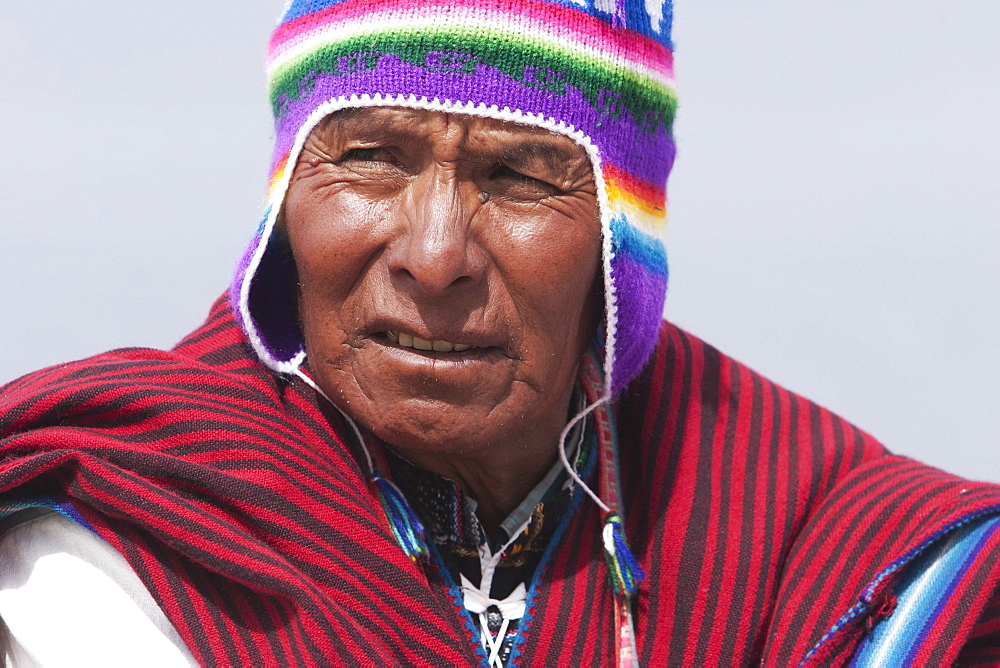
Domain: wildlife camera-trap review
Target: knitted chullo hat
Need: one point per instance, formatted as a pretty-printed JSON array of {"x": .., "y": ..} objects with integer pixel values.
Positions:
[{"x": 598, "y": 71}]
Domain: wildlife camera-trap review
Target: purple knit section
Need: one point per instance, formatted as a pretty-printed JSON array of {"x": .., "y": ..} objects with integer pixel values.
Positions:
[
  {"x": 614, "y": 130},
  {"x": 641, "y": 295}
]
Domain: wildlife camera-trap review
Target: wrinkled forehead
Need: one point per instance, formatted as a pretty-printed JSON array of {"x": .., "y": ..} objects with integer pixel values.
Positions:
[{"x": 491, "y": 137}]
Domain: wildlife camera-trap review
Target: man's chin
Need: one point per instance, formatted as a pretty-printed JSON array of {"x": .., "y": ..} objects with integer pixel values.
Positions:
[{"x": 436, "y": 426}]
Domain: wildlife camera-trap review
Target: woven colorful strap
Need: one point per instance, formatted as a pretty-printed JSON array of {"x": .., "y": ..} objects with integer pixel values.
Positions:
[
  {"x": 11, "y": 506},
  {"x": 625, "y": 572},
  {"x": 922, "y": 594}
]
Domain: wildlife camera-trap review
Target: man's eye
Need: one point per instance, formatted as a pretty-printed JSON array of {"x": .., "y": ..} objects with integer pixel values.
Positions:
[
  {"x": 505, "y": 172},
  {"x": 368, "y": 155},
  {"x": 522, "y": 183}
]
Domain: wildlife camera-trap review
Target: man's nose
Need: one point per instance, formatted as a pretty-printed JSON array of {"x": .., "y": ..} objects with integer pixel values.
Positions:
[{"x": 437, "y": 248}]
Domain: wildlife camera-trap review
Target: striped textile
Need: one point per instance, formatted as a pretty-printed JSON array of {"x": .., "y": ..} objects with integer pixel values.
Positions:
[
  {"x": 598, "y": 71},
  {"x": 772, "y": 530}
]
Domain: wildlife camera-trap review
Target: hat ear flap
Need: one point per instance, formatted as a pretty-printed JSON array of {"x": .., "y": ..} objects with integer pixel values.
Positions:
[
  {"x": 273, "y": 299},
  {"x": 270, "y": 316}
]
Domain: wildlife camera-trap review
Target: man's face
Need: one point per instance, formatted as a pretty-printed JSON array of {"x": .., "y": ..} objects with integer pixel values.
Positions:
[{"x": 448, "y": 270}]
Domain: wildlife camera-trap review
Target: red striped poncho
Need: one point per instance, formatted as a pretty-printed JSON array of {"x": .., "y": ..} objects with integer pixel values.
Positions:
[{"x": 760, "y": 518}]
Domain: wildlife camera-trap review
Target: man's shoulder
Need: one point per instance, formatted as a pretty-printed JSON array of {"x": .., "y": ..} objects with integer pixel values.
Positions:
[
  {"x": 717, "y": 449},
  {"x": 214, "y": 359},
  {"x": 215, "y": 347},
  {"x": 680, "y": 355},
  {"x": 692, "y": 398},
  {"x": 689, "y": 382}
]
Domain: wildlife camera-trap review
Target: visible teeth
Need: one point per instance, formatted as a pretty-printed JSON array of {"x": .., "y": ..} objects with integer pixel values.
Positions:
[{"x": 409, "y": 341}]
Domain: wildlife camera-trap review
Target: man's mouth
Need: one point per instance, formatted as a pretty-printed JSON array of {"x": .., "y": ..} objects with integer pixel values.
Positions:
[{"x": 404, "y": 340}]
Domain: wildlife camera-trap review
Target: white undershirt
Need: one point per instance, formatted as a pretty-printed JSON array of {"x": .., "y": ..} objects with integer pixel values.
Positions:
[{"x": 69, "y": 599}]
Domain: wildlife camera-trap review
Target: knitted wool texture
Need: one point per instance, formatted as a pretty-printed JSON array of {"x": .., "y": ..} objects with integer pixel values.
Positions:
[{"x": 598, "y": 71}]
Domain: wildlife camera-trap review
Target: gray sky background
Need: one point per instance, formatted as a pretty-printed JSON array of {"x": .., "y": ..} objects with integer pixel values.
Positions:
[{"x": 834, "y": 210}]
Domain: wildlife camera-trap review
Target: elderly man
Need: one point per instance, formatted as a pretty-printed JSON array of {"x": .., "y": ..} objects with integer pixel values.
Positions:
[{"x": 438, "y": 419}]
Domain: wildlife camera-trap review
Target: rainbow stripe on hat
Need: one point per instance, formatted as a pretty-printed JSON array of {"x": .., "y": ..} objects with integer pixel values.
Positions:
[{"x": 598, "y": 71}]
